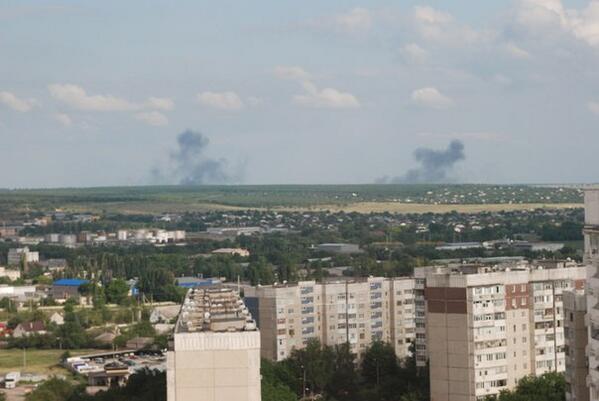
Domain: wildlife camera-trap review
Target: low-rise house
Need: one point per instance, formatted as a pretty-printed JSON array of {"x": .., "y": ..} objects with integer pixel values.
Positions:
[
  {"x": 4, "y": 330},
  {"x": 11, "y": 274},
  {"x": 29, "y": 329},
  {"x": 232, "y": 251},
  {"x": 339, "y": 248},
  {"x": 164, "y": 314},
  {"x": 55, "y": 265},
  {"x": 106, "y": 338},
  {"x": 57, "y": 319},
  {"x": 139, "y": 342}
]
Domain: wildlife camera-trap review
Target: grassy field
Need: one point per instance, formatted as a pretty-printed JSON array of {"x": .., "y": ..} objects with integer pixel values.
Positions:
[
  {"x": 394, "y": 207},
  {"x": 153, "y": 207},
  {"x": 361, "y": 198},
  {"x": 43, "y": 361}
]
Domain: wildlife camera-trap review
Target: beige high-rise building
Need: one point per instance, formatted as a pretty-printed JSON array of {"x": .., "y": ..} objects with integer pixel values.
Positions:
[
  {"x": 489, "y": 327},
  {"x": 575, "y": 340},
  {"x": 591, "y": 257},
  {"x": 215, "y": 354},
  {"x": 353, "y": 311}
]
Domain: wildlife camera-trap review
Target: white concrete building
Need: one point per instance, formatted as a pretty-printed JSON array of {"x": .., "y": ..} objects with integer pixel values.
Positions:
[
  {"x": 216, "y": 350},
  {"x": 11, "y": 274},
  {"x": 355, "y": 311},
  {"x": 15, "y": 255},
  {"x": 490, "y": 327}
]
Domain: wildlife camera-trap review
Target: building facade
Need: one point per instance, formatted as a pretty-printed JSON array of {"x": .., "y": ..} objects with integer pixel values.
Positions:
[
  {"x": 350, "y": 311},
  {"x": 489, "y": 327},
  {"x": 591, "y": 258},
  {"x": 215, "y": 354},
  {"x": 575, "y": 340},
  {"x": 16, "y": 255}
]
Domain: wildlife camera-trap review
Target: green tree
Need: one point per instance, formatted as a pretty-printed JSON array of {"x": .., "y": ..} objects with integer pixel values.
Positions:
[
  {"x": 547, "y": 387},
  {"x": 273, "y": 385},
  {"x": 117, "y": 291},
  {"x": 53, "y": 389}
]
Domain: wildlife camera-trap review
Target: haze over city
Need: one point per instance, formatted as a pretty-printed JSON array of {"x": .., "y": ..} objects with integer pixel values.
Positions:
[{"x": 98, "y": 93}]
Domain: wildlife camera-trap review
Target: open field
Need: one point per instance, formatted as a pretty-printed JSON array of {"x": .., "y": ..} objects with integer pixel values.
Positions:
[
  {"x": 152, "y": 207},
  {"x": 412, "y": 198},
  {"x": 41, "y": 361},
  {"x": 394, "y": 207}
]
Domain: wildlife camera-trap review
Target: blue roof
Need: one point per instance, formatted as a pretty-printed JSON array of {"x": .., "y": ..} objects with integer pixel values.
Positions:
[{"x": 71, "y": 282}]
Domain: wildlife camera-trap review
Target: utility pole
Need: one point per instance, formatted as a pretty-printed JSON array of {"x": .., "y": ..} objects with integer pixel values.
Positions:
[{"x": 304, "y": 383}]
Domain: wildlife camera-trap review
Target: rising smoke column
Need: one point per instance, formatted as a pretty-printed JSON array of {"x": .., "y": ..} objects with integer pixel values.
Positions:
[
  {"x": 192, "y": 166},
  {"x": 434, "y": 165}
]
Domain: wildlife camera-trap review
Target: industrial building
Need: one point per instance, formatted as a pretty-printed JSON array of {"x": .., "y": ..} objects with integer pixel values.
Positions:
[
  {"x": 66, "y": 288},
  {"x": 215, "y": 353}
]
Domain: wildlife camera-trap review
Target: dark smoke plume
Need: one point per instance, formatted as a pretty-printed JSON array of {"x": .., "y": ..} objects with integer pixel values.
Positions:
[
  {"x": 190, "y": 165},
  {"x": 434, "y": 165}
]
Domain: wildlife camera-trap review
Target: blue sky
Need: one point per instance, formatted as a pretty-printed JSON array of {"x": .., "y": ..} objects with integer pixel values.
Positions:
[{"x": 96, "y": 92}]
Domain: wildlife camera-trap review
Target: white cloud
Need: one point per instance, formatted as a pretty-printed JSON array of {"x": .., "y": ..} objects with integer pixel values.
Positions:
[
  {"x": 221, "y": 100},
  {"x": 153, "y": 118},
  {"x": 160, "y": 103},
  {"x": 430, "y": 15},
  {"x": 431, "y": 97},
  {"x": 535, "y": 13},
  {"x": 593, "y": 107},
  {"x": 325, "y": 98},
  {"x": 502, "y": 79},
  {"x": 414, "y": 53},
  {"x": 356, "y": 20},
  {"x": 254, "y": 101},
  {"x": 63, "y": 119},
  {"x": 291, "y": 72},
  {"x": 439, "y": 26},
  {"x": 516, "y": 51},
  {"x": 76, "y": 97},
  {"x": 21, "y": 105},
  {"x": 583, "y": 24}
]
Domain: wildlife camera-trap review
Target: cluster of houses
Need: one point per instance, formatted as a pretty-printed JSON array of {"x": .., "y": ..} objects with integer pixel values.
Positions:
[{"x": 30, "y": 328}]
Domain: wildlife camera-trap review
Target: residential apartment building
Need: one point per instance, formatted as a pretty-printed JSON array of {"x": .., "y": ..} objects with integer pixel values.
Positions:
[
  {"x": 575, "y": 340},
  {"x": 215, "y": 353},
  {"x": 346, "y": 311},
  {"x": 488, "y": 327},
  {"x": 591, "y": 258},
  {"x": 15, "y": 255}
]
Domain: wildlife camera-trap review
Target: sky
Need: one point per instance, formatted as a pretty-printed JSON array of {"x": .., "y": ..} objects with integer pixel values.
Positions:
[{"x": 98, "y": 93}]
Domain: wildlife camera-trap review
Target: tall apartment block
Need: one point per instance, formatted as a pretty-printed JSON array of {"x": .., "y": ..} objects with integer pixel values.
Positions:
[
  {"x": 354, "y": 311},
  {"x": 215, "y": 353},
  {"x": 575, "y": 340},
  {"x": 591, "y": 258},
  {"x": 489, "y": 327}
]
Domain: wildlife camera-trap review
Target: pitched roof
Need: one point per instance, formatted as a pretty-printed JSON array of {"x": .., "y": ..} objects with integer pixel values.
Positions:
[{"x": 34, "y": 326}]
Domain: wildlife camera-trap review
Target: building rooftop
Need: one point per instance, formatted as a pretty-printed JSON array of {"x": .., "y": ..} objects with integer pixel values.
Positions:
[
  {"x": 214, "y": 309},
  {"x": 70, "y": 282}
]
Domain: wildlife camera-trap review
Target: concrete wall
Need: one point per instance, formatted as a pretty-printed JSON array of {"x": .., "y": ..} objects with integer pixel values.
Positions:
[{"x": 214, "y": 367}]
